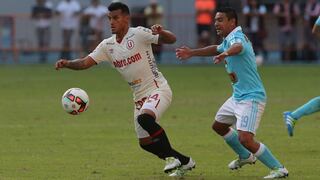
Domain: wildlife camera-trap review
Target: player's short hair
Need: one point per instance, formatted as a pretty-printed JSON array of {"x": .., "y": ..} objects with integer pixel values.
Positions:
[
  {"x": 119, "y": 5},
  {"x": 230, "y": 13}
]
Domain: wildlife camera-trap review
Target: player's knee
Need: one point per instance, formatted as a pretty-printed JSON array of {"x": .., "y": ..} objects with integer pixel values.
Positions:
[
  {"x": 220, "y": 128},
  {"x": 214, "y": 127},
  {"x": 146, "y": 121}
]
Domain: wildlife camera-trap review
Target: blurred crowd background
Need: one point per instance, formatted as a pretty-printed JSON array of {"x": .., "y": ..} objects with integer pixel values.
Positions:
[{"x": 42, "y": 31}]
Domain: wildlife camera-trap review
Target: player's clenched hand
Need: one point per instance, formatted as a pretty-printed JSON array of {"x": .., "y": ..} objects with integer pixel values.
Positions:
[
  {"x": 61, "y": 64},
  {"x": 217, "y": 59},
  {"x": 183, "y": 53},
  {"x": 156, "y": 29}
]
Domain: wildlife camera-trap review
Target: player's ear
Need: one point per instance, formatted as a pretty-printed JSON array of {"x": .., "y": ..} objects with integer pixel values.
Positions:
[
  {"x": 127, "y": 17},
  {"x": 233, "y": 21}
]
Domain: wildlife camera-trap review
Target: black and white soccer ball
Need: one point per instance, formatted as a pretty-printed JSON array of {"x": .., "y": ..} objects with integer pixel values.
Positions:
[{"x": 75, "y": 101}]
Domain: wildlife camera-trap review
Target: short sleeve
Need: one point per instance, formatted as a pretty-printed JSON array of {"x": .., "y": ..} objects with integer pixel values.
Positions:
[
  {"x": 235, "y": 39},
  {"x": 146, "y": 35},
  {"x": 220, "y": 48},
  {"x": 100, "y": 53}
]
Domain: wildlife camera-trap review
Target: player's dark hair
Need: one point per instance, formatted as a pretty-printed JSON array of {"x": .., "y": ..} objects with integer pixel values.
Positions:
[
  {"x": 119, "y": 5},
  {"x": 230, "y": 13}
]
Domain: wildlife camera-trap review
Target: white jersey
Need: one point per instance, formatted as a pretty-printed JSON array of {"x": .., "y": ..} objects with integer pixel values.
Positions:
[{"x": 133, "y": 58}]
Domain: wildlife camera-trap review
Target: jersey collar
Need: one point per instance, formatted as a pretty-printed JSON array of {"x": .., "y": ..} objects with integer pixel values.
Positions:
[{"x": 238, "y": 28}]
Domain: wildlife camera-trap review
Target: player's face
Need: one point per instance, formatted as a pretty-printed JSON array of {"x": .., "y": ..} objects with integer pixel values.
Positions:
[
  {"x": 118, "y": 21},
  {"x": 223, "y": 25}
]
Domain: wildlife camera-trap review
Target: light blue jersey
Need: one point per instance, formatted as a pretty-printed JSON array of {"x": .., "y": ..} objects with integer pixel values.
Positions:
[
  {"x": 242, "y": 68},
  {"x": 318, "y": 21}
]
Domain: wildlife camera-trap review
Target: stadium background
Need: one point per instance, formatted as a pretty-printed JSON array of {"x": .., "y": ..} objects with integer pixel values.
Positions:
[{"x": 179, "y": 18}]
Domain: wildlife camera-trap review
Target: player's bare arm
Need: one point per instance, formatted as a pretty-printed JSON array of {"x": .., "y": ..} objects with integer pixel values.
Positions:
[
  {"x": 233, "y": 50},
  {"x": 165, "y": 36},
  {"x": 77, "y": 64},
  {"x": 185, "y": 52}
]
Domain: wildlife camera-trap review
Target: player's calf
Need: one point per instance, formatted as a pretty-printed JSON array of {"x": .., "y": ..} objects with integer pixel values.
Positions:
[{"x": 157, "y": 143}]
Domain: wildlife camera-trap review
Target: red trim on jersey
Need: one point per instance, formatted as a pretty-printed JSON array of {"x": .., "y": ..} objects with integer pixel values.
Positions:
[
  {"x": 157, "y": 103},
  {"x": 157, "y": 133},
  {"x": 156, "y": 83}
]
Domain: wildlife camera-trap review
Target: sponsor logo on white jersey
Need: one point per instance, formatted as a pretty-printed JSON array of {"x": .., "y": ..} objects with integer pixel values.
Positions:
[{"x": 125, "y": 62}]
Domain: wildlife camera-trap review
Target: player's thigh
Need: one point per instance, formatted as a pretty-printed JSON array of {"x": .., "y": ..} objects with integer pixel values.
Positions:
[
  {"x": 248, "y": 115},
  {"x": 226, "y": 112},
  {"x": 158, "y": 102}
]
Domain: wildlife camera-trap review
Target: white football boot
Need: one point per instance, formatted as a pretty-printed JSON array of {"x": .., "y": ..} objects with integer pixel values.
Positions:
[
  {"x": 181, "y": 171},
  {"x": 238, "y": 163},
  {"x": 171, "y": 164},
  {"x": 278, "y": 173}
]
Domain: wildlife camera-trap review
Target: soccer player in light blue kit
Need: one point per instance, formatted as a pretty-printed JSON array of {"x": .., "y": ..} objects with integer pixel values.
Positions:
[
  {"x": 246, "y": 106},
  {"x": 312, "y": 106}
]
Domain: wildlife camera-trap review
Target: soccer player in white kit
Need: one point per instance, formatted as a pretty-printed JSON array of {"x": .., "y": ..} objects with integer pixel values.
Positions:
[{"x": 129, "y": 51}]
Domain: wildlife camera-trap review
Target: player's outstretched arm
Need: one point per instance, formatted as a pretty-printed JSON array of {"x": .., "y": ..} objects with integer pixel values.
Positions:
[
  {"x": 77, "y": 64},
  {"x": 185, "y": 52},
  {"x": 233, "y": 50},
  {"x": 165, "y": 36}
]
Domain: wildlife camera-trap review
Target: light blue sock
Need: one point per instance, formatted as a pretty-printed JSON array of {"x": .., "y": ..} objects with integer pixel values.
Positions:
[
  {"x": 232, "y": 139},
  {"x": 310, "y": 107},
  {"x": 266, "y": 157}
]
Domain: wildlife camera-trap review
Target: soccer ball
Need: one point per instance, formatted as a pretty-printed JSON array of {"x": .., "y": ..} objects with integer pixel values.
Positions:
[{"x": 75, "y": 101}]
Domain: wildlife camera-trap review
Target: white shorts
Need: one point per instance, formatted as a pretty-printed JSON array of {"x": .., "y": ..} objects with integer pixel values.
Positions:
[
  {"x": 157, "y": 100},
  {"x": 245, "y": 115}
]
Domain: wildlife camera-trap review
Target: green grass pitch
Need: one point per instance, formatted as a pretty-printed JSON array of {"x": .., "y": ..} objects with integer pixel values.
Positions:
[{"x": 38, "y": 140}]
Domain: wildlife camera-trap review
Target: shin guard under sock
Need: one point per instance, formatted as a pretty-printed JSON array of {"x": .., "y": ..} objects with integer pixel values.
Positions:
[{"x": 160, "y": 144}]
